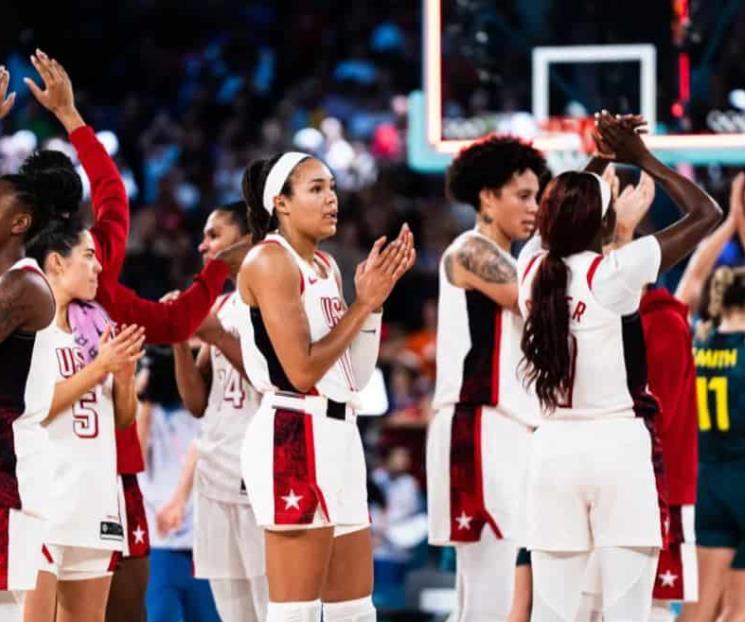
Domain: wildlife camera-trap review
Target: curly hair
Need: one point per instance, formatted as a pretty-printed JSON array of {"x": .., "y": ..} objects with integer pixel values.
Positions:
[{"x": 491, "y": 163}]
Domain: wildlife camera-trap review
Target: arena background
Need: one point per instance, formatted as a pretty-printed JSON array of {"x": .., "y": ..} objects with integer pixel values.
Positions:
[{"x": 189, "y": 92}]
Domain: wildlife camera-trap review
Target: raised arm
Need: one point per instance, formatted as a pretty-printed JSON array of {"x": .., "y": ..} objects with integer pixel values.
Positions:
[
  {"x": 167, "y": 322},
  {"x": 269, "y": 279},
  {"x": 108, "y": 195},
  {"x": 700, "y": 211},
  {"x": 703, "y": 260}
]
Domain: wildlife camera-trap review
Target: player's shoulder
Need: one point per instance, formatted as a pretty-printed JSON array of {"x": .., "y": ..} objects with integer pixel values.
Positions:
[{"x": 267, "y": 256}]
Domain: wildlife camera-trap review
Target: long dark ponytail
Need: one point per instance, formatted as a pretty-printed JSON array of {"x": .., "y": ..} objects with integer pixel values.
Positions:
[
  {"x": 569, "y": 221},
  {"x": 260, "y": 222}
]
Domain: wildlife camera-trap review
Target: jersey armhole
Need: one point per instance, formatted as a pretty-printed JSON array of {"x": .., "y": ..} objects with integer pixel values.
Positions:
[{"x": 593, "y": 269}]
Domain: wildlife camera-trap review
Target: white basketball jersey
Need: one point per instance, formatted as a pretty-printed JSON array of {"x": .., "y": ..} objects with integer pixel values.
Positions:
[
  {"x": 231, "y": 404},
  {"x": 85, "y": 505},
  {"x": 26, "y": 361},
  {"x": 324, "y": 308},
  {"x": 478, "y": 349},
  {"x": 605, "y": 352}
]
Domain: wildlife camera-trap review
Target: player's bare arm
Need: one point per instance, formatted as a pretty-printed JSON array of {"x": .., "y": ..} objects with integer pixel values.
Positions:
[
  {"x": 275, "y": 288},
  {"x": 26, "y": 303},
  {"x": 193, "y": 377},
  {"x": 477, "y": 264},
  {"x": 700, "y": 212}
]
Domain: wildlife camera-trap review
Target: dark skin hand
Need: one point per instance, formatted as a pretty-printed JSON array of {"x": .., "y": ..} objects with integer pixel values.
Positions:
[{"x": 700, "y": 212}]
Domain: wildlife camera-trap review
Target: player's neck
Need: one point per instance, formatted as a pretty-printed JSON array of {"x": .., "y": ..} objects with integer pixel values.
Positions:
[
  {"x": 733, "y": 323},
  {"x": 303, "y": 246},
  {"x": 10, "y": 254},
  {"x": 492, "y": 231}
]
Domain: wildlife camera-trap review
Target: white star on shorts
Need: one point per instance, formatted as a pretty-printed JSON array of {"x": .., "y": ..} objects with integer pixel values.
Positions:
[
  {"x": 464, "y": 521},
  {"x": 139, "y": 535},
  {"x": 292, "y": 500},
  {"x": 668, "y": 579}
]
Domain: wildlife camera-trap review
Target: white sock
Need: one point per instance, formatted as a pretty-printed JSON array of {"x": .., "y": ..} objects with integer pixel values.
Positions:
[
  {"x": 306, "y": 611},
  {"x": 359, "y": 610}
]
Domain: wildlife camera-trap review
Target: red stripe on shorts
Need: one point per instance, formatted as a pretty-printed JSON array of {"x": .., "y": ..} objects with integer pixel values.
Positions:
[
  {"x": 295, "y": 501},
  {"x": 311, "y": 448},
  {"x": 468, "y": 513}
]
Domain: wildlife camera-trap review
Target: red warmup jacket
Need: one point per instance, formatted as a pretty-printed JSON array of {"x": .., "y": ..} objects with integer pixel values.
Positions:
[
  {"x": 163, "y": 322},
  {"x": 672, "y": 379}
]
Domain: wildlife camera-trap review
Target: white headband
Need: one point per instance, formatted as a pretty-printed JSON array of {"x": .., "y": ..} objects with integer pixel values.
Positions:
[
  {"x": 605, "y": 194},
  {"x": 277, "y": 177}
]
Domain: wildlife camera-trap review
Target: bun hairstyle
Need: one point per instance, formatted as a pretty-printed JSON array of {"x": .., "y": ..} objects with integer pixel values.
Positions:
[
  {"x": 491, "y": 163},
  {"x": 569, "y": 219},
  {"x": 726, "y": 291},
  {"x": 53, "y": 176},
  {"x": 239, "y": 214},
  {"x": 260, "y": 221}
]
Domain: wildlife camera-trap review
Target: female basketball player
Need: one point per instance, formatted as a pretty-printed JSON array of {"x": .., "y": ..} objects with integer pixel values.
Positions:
[
  {"x": 163, "y": 322},
  {"x": 94, "y": 393},
  {"x": 591, "y": 485},
  {"x": 26, "y": 381},
  {"x": 308, "y": 354},
  {"x": 215, "y": 387},
  {"x": 719, "y": 353},
  {"x": 477, "y": 446}
]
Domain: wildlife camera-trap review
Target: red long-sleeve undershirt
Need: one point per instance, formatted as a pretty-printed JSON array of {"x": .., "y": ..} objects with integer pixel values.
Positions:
[{"x": 163, "y": 322}]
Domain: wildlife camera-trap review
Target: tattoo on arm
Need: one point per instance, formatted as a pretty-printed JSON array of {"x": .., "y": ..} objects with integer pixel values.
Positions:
[{"x": 481, "y": 258}]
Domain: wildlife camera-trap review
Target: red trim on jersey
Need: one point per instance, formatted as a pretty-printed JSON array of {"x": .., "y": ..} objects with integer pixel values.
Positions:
[
  {"x": 479, "y": 472},
  {"x": 4, "y": 547},
  {"x": 310, "y": 449},
  {"x": 531, "y": 263},
  {"x": 322, "y": 256},
  {"x": 592, "y": 269},
  {"x": 495, "y": 357}
]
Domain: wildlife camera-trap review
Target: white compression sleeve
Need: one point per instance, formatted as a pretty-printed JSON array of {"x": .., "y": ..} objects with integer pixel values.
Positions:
[{"x": 364, "y": 349}]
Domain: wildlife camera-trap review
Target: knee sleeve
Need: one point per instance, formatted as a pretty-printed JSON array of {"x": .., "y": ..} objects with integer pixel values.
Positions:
[
  {"x": 359, "y": 610},
  {"x": 558, "y": 579},
  {"x": 627, "y": 576},
  {"x": 306, "y": 611},
  {"x": 486, "y": 572}
]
